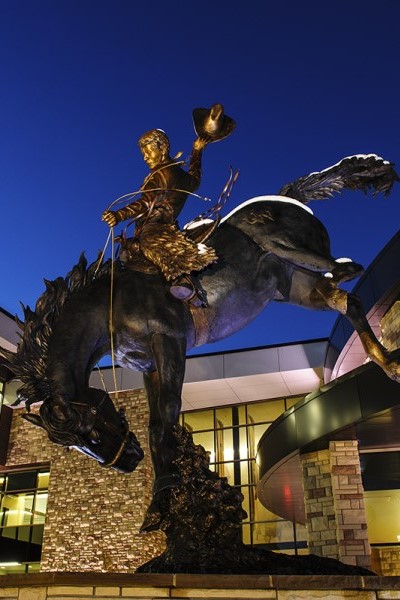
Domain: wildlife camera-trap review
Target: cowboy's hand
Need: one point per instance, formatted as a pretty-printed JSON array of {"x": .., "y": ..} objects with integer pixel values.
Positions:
[{"x": 109, "y": 217}]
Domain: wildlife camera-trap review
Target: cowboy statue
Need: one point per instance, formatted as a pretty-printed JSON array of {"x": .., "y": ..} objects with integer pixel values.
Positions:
[{"x": 163, "y": 194}]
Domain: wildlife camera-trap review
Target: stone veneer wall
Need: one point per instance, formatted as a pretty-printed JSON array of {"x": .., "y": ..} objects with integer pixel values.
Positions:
[
  {"x": 386, "y": 560},
  {"x": 348, "y": 493},
  {"x": 93, "y": 514},
  {"x": 319, "y": 505},
  {"x": 334, "y": 502}
]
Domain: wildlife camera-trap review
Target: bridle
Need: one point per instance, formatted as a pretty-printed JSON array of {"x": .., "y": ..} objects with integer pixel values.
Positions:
[{"x": 94, "y": 411}]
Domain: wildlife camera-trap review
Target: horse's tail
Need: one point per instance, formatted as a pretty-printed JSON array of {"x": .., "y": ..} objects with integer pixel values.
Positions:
[{"x": 360, "y": 172}]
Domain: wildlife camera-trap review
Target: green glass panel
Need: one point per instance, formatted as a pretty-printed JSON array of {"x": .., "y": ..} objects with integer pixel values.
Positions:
[
  {"x": 206, "y": 439},
  {"x": 242, "y": 415},
  {"x": 244, "y": 472},
  {"x": 12, "y": 569},
  {"x": 43, "y": 480},
  {"x": 39, "y": 513},
  {"x": 21, "y": 481},
  {"x": 275, "y": 532},
  {"x": 301, "y": 533},
  {"x": 17, "y": 509},
  {"x": 258, "y": 412},
  {"x": 246, "y": 534},
  {"x": 226, "y": 470},
  {"x": 292, "y": 401},
  {"x": 246, "y": 501},
  {"x": 199, "y": 420},
  {"x": 223, "y": 417},
  {"x": 37, "y": 534},
  {"x": 23, "y": 533},
  {"x": 263, "y": 514},
  {"x": 224, "y": 443},
  {"x": 9, "y": 532},
  {"x": 243, "y": 446}
]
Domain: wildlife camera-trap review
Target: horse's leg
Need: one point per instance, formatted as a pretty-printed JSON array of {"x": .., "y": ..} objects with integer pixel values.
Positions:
[
  {"x": 164, "y": 388},
  {"x": 341, "y": 269},
  {"x": 350, "y": 306},
  {"x": 319, "y": 293},
  {"x": 169, "y": 356}
]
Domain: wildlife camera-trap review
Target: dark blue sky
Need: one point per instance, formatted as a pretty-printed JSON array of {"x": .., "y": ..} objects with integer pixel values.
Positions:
[{"x": 307, "y": 82}]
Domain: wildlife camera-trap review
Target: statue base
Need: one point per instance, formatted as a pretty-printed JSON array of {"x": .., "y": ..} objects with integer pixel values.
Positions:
[{"x": 203, "y": 527}]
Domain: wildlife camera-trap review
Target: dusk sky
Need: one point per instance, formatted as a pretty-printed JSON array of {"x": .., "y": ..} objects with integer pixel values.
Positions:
[{"x": 308, "y": 83}]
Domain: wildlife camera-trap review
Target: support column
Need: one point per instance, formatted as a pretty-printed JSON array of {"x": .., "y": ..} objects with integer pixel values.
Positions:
[
  {"x": 348, "y": 494},
  {"x": 334, "y": 503},
  {"x": 319, "y": 504}
]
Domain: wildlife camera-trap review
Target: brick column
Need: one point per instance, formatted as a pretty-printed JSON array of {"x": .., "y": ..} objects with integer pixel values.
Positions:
[
  {"x": 348, "y": 494},
  {"x": 334, "y": 503}
]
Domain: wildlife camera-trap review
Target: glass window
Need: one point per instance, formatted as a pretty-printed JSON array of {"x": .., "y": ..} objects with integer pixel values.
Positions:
[
  {"x": 257, "y": 412},
  {"x": 263, "y": 514},
  {"x": 246, "y": 534},
  {"x": 39, "y": 513},
  {"x": 226, "y": 469},
  {"x": 224, "y": 443},
  {"x": 292, "y": 401},
  {"x": 255, "y": 433},
  {"x": 243, "y": 444},
  {"x": 246, "y": 502},
  {"x": 22, "y": 481},
  {"x": 274, "y": 533},
  {"x": 244, "y": 472},
  {"x": 199, "y": 420},
  {"x": 382, "y": 509},
  {"x": 16, "y": 509},
  {"x": 43, "y": 480},
  {"x": 231, "y": 435},
  {"x": 37, "y": 534},
  {"x": 206, "y": 439},
  {"x": 224, "y": 417}
]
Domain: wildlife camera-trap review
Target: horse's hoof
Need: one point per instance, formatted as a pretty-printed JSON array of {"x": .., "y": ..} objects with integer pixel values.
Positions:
[
  {"x": 156, "y": 512},
  {"x": 393, "y": 371},
  {"x": 346, "y": 271},
  {"x": 165, "y": 482},
  {"x": 151, "y": 522}
]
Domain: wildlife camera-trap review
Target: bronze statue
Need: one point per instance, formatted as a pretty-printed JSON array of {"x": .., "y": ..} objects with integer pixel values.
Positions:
[
  {"x": 284, "y": 255},
  {"x": 164, "y": 193}
]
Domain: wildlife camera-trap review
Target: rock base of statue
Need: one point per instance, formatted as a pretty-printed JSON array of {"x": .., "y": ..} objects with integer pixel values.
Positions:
[{"x": 203, "y": 527}]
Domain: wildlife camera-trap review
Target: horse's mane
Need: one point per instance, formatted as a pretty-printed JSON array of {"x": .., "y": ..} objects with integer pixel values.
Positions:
[{"x": 29, "y": 362}]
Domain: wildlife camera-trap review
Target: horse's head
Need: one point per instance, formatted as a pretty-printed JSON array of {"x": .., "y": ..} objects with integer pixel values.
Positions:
[{"x": 92, "y": 425}]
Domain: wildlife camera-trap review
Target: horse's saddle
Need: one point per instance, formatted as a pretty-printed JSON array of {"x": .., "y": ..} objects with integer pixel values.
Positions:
[{"x": 129, "y": 252}]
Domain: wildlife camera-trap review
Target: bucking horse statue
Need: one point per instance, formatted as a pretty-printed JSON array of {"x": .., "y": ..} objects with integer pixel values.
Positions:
[{"x": 270, "y": 248}]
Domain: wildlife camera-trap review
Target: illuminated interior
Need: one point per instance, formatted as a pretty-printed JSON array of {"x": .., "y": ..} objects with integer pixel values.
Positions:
[{"x": 231, "y": 434}]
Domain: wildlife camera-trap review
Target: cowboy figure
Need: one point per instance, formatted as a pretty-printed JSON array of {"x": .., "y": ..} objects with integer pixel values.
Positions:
[{"x": 163, "y": 196}]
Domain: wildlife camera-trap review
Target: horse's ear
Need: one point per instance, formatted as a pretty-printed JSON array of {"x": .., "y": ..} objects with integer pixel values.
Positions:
[{"x": 35, "y": 419}]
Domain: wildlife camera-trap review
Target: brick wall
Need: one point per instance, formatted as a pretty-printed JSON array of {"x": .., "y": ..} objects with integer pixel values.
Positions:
[{"x": 93, "y": 514}]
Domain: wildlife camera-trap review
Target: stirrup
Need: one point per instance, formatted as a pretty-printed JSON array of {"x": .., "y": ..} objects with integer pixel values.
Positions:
[{"x": 183, "y": 288}]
